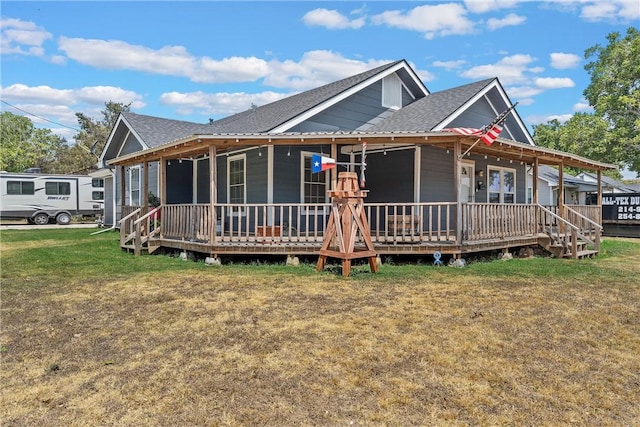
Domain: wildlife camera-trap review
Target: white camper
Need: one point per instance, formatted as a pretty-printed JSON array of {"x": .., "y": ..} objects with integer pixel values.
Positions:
[{"x": 42, "y": 198}]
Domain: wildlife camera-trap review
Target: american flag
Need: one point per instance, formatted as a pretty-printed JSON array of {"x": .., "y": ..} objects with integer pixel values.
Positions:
[{"x": 487, "y": 134}]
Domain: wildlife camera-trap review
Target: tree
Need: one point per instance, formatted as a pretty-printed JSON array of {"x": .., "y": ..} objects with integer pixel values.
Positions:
[
  {"x": 90, "y": 140},
  {"x": 612, "y": 133},
  {"x": 614, "y": 91},
  {"x": 23, "y": 146}
]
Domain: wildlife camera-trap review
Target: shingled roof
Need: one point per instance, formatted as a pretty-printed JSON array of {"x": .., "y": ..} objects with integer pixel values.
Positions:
[
  {"x": 269, "y": 116},
  {"x": 425, "y": 114},
  {"x": 156, "y": 131}
]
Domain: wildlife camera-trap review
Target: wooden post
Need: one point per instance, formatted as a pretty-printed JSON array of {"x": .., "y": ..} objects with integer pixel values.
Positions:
[
  {"x": 163, "y": 179},
  {"x": 599, "y": 202},
  {"x": 348, "y": 217},
  {"x": 457, "y": 171},
  {"x": 561, "y": 195},
  {"x": 162, "y": 171},
  {"x": 334, "y": 171},
  {"x": 535, "y": 181},
  {"x": 123, "y": 189},
  {"x": 536, "y": 200},
  {"x": 213, "y": 193},
  {"x": 145, "y": 187}
]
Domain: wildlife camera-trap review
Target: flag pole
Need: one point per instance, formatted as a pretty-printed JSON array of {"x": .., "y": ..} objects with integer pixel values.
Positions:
[
  {"x": 469, "y": 149},
  {"x": 488, "y": 128}
]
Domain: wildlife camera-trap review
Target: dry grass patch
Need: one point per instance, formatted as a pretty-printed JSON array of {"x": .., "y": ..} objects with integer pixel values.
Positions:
[{"x": 262, "y": 346}]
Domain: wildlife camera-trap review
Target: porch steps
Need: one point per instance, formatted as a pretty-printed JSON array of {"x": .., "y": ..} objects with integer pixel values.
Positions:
[{"x": 559, "y": 250}]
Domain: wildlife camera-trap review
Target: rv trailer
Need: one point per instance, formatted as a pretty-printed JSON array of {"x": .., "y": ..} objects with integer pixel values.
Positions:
[{"x": 43, "y": 198}]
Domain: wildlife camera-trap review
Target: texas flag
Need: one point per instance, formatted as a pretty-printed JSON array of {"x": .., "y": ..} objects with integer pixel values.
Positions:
[{"x": 321, "y": 163}]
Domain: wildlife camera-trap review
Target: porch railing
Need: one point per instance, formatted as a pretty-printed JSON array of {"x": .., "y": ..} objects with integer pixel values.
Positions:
[
  {"x": 390, "y": 223},
  {"x": 485, "y": 221}
]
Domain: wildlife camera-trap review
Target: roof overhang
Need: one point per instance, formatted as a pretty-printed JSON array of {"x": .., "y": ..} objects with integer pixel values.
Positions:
[{"x": 198, "y": 145}]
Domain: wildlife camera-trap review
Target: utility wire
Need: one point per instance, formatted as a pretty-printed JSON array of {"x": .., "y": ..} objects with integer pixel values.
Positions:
[
  {"x": 90, "y": 151},
  {"x": 41, "y": 118}
]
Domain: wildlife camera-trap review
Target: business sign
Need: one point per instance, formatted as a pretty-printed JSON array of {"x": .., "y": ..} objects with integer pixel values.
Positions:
[{"x": 622, "y": 207}]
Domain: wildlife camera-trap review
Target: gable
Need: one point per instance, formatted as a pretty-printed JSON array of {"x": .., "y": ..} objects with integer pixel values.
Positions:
[
  {"x": 134, "y": 132},
  {"x": 359, "y": 111}
]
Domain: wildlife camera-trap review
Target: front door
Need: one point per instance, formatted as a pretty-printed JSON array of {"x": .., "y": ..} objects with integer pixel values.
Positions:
[{"x": 467, "y": 193}]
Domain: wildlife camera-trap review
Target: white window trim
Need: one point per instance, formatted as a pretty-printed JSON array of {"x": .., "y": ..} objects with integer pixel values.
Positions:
[
  {"x": 502, "y": 170},
  {"x": 304, "y": 155},
  {"x": 130, "y": 189},
  {"x": 230, "y": 159}
]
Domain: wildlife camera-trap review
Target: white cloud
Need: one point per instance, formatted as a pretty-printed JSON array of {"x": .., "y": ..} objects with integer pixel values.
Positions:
[
  {"x": 22, "y": 37},
  {"x": 61, "y": 105},
  {"x": 314, "y": 69},
  {"x": 482, "y": 6},
  {"x": 431, "y": 20},
  {"x": 563, "y": 61},
  {"x": 536, "y": 119},
  {"x": 510, "y": 70},
  {"x": 449, "y": 65},
  {"x": 582, "y": 107},
  {"x": 508, "y": 21},
  {"x": 331, "y": 19},
  {"x": 554, "y": 82},
  {"x": 521, "y": 92},
  {"x": 217, "y": 104},
  {"x": 612, "y": 11},
  {"x": 168, "y": 60}
]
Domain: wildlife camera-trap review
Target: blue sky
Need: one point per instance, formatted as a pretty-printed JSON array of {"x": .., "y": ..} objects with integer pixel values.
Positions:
[{"x": 205, "y": 59}]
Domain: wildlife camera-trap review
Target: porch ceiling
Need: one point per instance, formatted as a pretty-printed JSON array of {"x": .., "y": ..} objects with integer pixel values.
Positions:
[{"x": 199, "y": 145}]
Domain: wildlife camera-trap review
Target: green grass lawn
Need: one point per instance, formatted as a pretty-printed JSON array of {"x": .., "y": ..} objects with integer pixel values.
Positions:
[{"x": 92, "y": 335}]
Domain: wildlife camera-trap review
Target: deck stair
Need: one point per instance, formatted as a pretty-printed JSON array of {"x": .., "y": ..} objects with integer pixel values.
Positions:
[
  {"x": 136, "y": 231},
  {"x": 569, "y": 236}
]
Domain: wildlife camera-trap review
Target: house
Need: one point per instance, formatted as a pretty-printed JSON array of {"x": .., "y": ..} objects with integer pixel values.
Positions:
[
  {"x": 244, "y": 183},
  {"x": 609, "y": 185},
  {"x": 577, "y": 191}
]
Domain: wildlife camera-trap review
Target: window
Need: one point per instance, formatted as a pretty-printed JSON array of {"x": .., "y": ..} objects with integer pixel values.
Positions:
[
  {"x": 502, "y": 185},
  {"x": 134, "y": 186},
  {"x": 20, "y": 187},
  {"x": 314, "y": 185},
  {"x": 55, "y": 188},
  {"x": 236, "y": 179},
  {"x": 97, "y": 195},
  {"x": 97, "y": 182},
  {"x": 392, "y": 92}
]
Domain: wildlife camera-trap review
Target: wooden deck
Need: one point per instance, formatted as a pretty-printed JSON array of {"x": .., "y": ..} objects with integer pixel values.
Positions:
[{"x": 396, "y": 229}]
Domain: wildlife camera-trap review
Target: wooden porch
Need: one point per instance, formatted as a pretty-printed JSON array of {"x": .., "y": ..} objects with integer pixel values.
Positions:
[{"x": 408, "y": 228}]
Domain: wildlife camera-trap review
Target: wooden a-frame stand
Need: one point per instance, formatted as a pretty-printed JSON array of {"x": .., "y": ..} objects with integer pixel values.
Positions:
[{"x": 347, "y": 218}]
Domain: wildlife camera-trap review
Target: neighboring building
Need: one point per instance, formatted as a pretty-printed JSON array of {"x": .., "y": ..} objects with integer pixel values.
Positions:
[
  {"x": 235, "y": 176},
  {"x": 576, "y": 191},
  {"x": 609, "y": 185}
]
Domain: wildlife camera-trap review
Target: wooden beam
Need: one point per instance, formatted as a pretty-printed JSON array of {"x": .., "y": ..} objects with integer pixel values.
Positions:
[
  {"x": 536, "y": 200},
  {"x": 162, "y": 166},
  {"x": 599, "y": 202},
  {"x": 145, "y": 186},
  {"x": 457, "y": 171},
  {"x": 213, "y": 192},
  {"x": 334, "y": 171},
  {"x": 123, "y": 187}
]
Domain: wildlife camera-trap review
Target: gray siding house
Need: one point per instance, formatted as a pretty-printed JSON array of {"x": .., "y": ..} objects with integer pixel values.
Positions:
[{"x": 226, "y": 186}]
